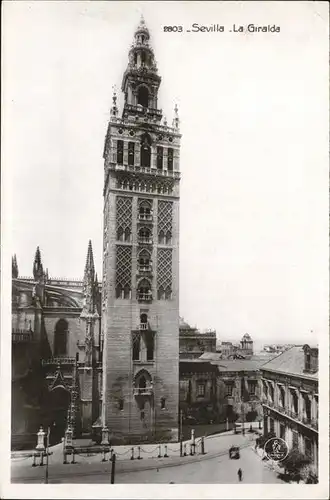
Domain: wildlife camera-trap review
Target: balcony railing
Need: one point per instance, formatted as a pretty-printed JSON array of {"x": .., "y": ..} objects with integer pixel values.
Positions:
[
  {"x": 145, "y": 217},
  {"x": 143, "y": 326},
  {"x": 21, "y": 336},
  {"x": 144, "y": 269},
  {"x": 143, "y": 391},
  {"x": 144, "y": 241},
  {"x": 144, "y": 297},
  {"x": 142, "y": 110},
  {"x": 312, "y": 423},
  {"x": 59, "y": 361},
  {"x": 148, "y": 170}
]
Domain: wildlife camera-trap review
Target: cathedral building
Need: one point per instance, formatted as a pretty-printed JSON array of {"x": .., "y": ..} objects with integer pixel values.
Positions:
[
  {"x": 90, "y": 355},
  {"x": 141, "y": 258}
]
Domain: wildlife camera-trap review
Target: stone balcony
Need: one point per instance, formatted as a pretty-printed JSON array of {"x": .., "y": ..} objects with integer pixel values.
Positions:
[
  {"x": 59, "y": 361},
  {"x": 21, "y": 336},
  {"x": 144, "y": 297}
]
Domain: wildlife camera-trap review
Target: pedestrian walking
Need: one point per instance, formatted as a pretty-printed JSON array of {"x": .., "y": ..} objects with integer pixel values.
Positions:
[{"x": 240, "y": 474}]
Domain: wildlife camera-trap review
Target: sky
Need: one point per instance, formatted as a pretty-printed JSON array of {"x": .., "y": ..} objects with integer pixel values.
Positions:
[{"x": 254, "y": 155}]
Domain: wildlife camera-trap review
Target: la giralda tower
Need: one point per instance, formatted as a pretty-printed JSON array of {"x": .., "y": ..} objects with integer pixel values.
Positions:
[{"x": 141, "y": 258}]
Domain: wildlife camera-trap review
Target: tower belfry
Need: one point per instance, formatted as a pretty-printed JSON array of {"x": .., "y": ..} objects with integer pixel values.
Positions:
[{"x": 140, "y": 315}]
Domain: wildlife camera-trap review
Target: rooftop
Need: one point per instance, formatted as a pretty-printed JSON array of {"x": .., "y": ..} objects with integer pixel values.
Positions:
[{"x": 291, "y": 362}]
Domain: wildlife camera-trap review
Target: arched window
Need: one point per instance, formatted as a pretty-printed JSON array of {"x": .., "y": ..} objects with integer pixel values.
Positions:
[
  {"x": 135, "y": 58},
  {"x": 170, "y": 159},
  {"x": 120, "y": 234},
  {"x": 144, "y": 260},
  {"x": 145, "y": 210},
  {"x": 145, "y": 150},
  {"x": 160, "y": 157},
  {"x": 144, "y": 290},
  {"x": 144, "y": 235},
  {"x": 168, "y": 237},
  {"x": 143, "y": 55},
  {"x": 120, "y": 152},
  {"x": 143, "y": 96},
  {"x": 168, "y": 293},
  {"x": 143, "y": 321},
  {"x": 161, "y": 293},
  {"x": 60, "y": 340},
  {"x": 127, "y": 235},
  {"x": 119, "y": 290},
  {"x": 161, "y": 237},
  {"x": 131, "y": 153}
]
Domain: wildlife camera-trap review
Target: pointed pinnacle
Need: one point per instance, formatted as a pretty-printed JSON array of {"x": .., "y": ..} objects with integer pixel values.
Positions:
[{"x": 89, "y": 259}]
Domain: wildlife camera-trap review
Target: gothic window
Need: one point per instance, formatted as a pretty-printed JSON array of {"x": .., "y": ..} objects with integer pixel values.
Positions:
[
  {"x": 170, "y": 159},
  {"x": 144, "y": 235},
  {"x": 142, "y": 382},
  {"x": 144, "y": 260},
  {"x": 120, "y": 152},
  {"x": 120, "y": 234},
  {"x": 121, "y": 404},
  {"x": 144, "y": 290},
  {"x": 145, "y": 150},
  {"x": 161, "y": 238},
  {"x": 143, "y": 96},
  {"x": 164, "y": 273},
  {"x": 308, "y": 362},
  {"x": 145, "y": 210},
  {"x": 143, "y": 55},
  {"x": 131, "y": 153},
  {"x": 168, "y": 238},
  {"x": 119, "y": 292},
  {"x": 127, "y": 234},
  {"x": 127, "y": 292},
  {"x": 60, "y": 340},
  {"x": 136, "y": 339},
  {"x": 159, "y": 157},
  {"x": 149, "y": 341},
  {"x": 162, "y": 403}
]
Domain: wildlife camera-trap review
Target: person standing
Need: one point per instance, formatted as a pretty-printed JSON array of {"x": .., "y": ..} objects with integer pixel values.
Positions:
[{"x": 240, "y": 474}]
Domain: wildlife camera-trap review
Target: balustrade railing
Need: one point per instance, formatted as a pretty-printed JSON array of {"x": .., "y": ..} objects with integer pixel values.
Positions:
[
  {"x": 59, "y": 361},
  {"x": 144, "y": 241},
  {"x": 145, "y": 217},
  {"x": 148, "y": 170},
  {"x": 144, "y": 269},
  {"x": 18, "y": 336},
  {"x": 143, "y": 391},
  {"x": 144, "y": 297}
]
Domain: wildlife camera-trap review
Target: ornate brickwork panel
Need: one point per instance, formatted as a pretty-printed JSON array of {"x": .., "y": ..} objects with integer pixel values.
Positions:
[
  {"x": 165, "y": 209},
  {"x": 164, "y": 269},
  {"x": 124, "y": 213},
  {"x": 123, "y": 266}
]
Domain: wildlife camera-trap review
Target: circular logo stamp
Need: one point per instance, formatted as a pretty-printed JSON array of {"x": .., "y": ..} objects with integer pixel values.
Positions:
[{"x": 276, "y": 449}]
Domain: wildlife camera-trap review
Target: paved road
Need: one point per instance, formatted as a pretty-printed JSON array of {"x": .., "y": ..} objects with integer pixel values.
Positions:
[{"x": 210, "y": 469}]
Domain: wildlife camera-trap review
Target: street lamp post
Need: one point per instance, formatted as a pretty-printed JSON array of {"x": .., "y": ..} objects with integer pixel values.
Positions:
[
  {"x": 181, "y": 433},
  {"x": 47, "y": 455}
]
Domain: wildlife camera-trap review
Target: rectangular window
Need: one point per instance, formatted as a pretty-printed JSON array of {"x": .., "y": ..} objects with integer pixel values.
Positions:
[
  {"x": 308, "y": 448},
  {"x": 149, "y": 336},
  {"x": 271, "y": 425},
  {"x": 131, "y": 153},
  {"x": 252, "y": 388},
  {"x": 170, "y": 159},
  {"x": 136, "y": 346},
  {"x": 201, "y": 390},
  {"x": 282, "y": 431},
  {"x": 295, "y": 439},
  {"x": 229, "y": 389},
  {"x": 160, "y": 157},
  {"x": 120, "y": 152}
]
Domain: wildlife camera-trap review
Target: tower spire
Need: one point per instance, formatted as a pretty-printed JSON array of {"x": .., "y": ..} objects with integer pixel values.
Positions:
[
  {"x": 14, "y": 267},
  {"x": 89, "y": 266},
  {"x": 38, "y": 270}
]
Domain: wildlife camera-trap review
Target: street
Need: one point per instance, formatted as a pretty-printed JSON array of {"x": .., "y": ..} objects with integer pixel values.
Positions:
[{"x": 213, "y": 467}]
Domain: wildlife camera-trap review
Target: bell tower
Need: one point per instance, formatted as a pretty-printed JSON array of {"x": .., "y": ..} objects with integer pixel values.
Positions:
[{"x": 140, "y": 316}]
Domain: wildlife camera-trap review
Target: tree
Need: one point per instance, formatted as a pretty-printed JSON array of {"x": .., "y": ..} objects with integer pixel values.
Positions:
[{"x": 294, "y": 463}]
